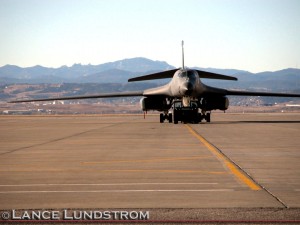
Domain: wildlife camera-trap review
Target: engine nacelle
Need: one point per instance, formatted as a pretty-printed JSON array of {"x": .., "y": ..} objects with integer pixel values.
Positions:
[
  {"x": 220, "y": 103},
  {"x": 154, "y": 103}
]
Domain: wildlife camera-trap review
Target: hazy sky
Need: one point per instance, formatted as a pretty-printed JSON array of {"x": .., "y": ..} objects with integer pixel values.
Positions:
[{"x": 253, "y": 35}]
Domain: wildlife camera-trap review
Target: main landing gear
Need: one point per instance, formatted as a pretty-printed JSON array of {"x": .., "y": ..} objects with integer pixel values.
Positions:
[
  {"x": 185, "y": 116},
  {"x": 204, "y": 116},
  {"x": 166, "y": 116}
]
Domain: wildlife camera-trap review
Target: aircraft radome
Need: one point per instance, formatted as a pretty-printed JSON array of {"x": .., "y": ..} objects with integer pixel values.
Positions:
[{"x": 185, "y": 98}]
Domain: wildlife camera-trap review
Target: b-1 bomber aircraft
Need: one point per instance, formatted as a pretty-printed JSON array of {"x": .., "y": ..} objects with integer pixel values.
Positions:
[{"x": 185, "y": 98}]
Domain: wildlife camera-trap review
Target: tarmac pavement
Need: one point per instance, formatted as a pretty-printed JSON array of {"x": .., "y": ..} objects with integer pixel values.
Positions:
[{"x": 238, "y": 162}]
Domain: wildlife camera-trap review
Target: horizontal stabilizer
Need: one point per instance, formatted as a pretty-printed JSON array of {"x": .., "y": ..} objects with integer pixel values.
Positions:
[
  {"x": 209, "y": 75},
  {"x": 154, "y": 76}
]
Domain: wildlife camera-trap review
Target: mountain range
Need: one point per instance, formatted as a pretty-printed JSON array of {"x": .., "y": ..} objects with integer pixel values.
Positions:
[
  {"x": 118, "y": 71},
  {"x": 286, "y": 80}
]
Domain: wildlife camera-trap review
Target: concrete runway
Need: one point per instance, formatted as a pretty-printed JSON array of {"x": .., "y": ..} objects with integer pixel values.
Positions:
[{"x": 238, "y": 161}]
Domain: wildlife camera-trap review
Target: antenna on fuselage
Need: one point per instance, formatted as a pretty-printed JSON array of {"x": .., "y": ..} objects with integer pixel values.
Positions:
[{"x": 182, "y": 43}]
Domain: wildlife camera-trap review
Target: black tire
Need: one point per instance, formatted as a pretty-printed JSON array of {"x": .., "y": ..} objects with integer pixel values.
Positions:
[
  {"x": 161, "y": 118},
  {"x": 200, "y": 117},
  {"x": 196, "y": 119},
  {"x": 170, "y": 118},
  {"x": 208, "y": 117},
  {"x": 175, "y": 121}
]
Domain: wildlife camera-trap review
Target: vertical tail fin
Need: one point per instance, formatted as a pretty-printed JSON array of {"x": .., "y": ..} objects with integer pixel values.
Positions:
[{"x": 182, "y": 43}]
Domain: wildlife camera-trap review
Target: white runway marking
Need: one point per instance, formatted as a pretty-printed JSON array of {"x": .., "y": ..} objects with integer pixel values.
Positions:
[
  {"x": 120, "y": 184},
  {"x": 114, "y": 191}
]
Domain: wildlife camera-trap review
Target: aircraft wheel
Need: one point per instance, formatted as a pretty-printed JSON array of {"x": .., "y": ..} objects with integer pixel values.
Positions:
[
  {"x": 161, "y": 118},
  {"x": 175, "y": 121},
  {"x": 196, "y": 119},
  {"x": 208, "y": 117},
  {"x": 200, "y": 117},
  {"x": 170, "y": 118}
]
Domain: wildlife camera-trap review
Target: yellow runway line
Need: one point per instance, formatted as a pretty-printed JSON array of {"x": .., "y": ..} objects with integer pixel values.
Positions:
[{"x": 231, "y": 166}]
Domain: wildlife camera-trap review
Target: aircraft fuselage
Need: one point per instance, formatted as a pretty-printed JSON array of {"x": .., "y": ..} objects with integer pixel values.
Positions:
[{"x": 185, "y": 83}]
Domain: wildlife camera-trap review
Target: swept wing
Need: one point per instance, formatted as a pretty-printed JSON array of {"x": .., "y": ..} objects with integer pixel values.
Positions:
[
  {"x": 213, "y": 91},
  {"x": 106, "y": 95},
  {"x": 250, "y": 93}
]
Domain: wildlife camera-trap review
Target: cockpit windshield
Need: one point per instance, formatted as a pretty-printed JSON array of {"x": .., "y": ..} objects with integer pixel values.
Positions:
[
  {"x": 183, "y": 74},
  {"x": 187, "y": 74}
]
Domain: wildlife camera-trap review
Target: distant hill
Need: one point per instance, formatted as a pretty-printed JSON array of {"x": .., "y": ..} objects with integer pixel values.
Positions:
[
  {"x": 140, "y": 65},
  {"x": 108, "y": 76}
]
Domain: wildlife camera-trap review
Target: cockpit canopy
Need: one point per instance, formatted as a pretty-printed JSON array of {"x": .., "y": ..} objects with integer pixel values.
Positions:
[{"x": 188, "y": 74}]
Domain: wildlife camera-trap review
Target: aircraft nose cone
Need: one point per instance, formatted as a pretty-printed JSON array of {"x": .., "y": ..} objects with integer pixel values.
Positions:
[
  {"x": 190, "y": 86},
  {"x": 187, "y": 88}
]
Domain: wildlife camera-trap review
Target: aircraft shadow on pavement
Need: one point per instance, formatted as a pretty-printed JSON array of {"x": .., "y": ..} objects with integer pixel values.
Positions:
[{"x": 254, "y": 122}]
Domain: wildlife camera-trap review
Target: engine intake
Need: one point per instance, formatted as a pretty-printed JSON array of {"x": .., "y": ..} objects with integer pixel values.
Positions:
[
  {"x": 220, "y": 103},
  {"x": 154, "y": 103}
]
